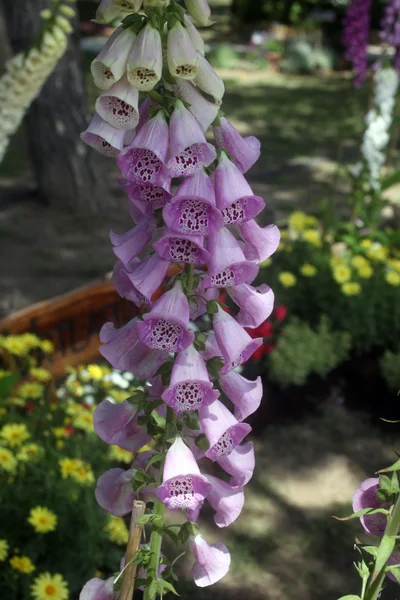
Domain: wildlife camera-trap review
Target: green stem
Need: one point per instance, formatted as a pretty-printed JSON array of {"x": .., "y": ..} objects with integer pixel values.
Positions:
[
  {"x": 159, "y": 509},
  {"x": 375, "y": 584},
  {"x": 190, "y": 275}
]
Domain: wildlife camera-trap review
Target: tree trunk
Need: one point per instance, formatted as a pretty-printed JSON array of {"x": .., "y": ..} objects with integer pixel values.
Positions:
[
  {"x": 69, "y": 174},
  {"x": 5, "y": 50}
]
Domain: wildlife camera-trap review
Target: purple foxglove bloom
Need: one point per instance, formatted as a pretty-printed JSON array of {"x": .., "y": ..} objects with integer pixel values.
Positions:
[
  {"x": 222, "y": 430},
  {"x": 199, "y": 308},
  {"x": 114, "y": 491},
  {"x": 195, "y": 36},
  {"x": 240, "y": 464},
  {"x": 110, "y": 65},
  {"x": 181, "y": 56},
  {"x": 199, "y": 10},
  {"x": 227, "y": 265},
  {"x": 235, "y": 198},
  {"x": 103, "y": 138},
  {"x": 98, "y": 589},
  {"x": 390, "y": 29},
  {"x": 355, "y": 37},
  {"x": 204, "y": 111},
  {"x": 261, "y": 242},
  {"x": 145, "y": 60},
  {"x": 107, "y": 11},
  {"x": 130, "y": 244},
  {"x": 145, "y": 199},
  {"x": 119, "y": 106},
  {"x": 165, "y": 327},
  {"x": 123, "y": 284},
  {"x": 212, "y": 349},
  {"x": 208, "y": 80},
  {"x": 143, "y": 162},
  {"x": 244, "y": 394},
  {"x": 226, "y": 500},
  {"x": 365, "y": 497},
  {"x": 234, "y": 342},
  {"x": 177, "y": 247},
  {"x": 140, "y": 282},
  {"x": 124, "y": 351},
  {"x": 190, "y": 385},
  {"x": 245, "y": 152},
  {"x": 129, "y": 135},
  {"x": 117, "y": 424},
  {"x": 255, "y": 303},
  {"x": 212, "y": 561},
  {"x": 193, "y": 209},
  {"x": 183, "y": 487},
  {"x": 144, "y": 111},
  {"x": 189, "y": 148}
]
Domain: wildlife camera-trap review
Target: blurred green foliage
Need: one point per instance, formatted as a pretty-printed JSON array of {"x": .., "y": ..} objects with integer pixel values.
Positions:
[{"x": 390, "y": 368}]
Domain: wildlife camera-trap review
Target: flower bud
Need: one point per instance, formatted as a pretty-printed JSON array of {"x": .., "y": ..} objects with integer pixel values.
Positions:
[
  {"x": 181, "y": 55},
  {"x": 145, "y": 60},
  {"x": 106, "y": 11},
  {"x": 110, "y": 65},
  {"x": 199, "y": 10},
  {"x": 208, "y": 80}
]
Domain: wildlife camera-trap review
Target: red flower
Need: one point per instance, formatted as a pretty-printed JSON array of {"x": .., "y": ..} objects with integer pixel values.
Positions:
[
  {"x": 281, "y": 312},
  {"x": 69, "y": 430},
  {"x": 258, "y": 354},
  {"x": 268, "y": 348},
  {"x": 29, "y": 407}
]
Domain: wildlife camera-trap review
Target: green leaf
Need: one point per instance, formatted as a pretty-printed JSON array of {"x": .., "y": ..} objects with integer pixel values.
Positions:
[
  {"x": 165, "y": 586},
  {"x": 7, "y": 383},
  {"x": 362, "y": 512},
  {"x": 212, "y": 307},
  {"x": 153, "y": 460},
  {"x": 350, "y": 597},
  {"x": 394, "y": 467},
  {"x": 395, "y": 570},
  {"x": 389, "y": 180},
  {"x": 373, "y": 550},
  {"x": 191, "y": 420},
  {"x": 144, "y": 520},
  {"x": 170, "y": 432},
  {"x": 214, "y": 365},
  {"x": 385, "y": 550},
  {"x": 202, "y": 442}
]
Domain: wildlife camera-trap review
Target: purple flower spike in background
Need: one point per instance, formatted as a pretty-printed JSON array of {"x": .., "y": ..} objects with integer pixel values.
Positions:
[
  {"x": 190, "y": 386},
  {"x": 355, "y": 38},
  {"x": 390, "y": 29},
  {"x": 245, "y": 152},
  {"x": 212, "y": 562},
  {"x": 189, "y": 148},
  {"x": 183, "y": 487}
]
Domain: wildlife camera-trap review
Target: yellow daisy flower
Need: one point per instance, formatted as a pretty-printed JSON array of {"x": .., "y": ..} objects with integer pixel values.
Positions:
[
  {"x": 287, "y": 279},
  {"x": 341, "y": 274},
  {"x": 297, "y": 220},
  {"x": 337, "y": 261},
  {"x": 359, "y": 262},
  {"x": 23, "y": 564},
  {"x": 308, "y": 270},
  {"x": 67, "y": 467},
  {"x": 120, "y": 455},
  {"x": 351, "y": 288},
  {"x": 40, "y": 374},
  {"x": 393, "y": 278},
  {"x": 47, "y": 346},
  {"x": 377, "y": 252},
  {"x": 29, "y": 452},
  {"x": 50, "y": 587},
  {"x": 84, "y": 421},
  {"x": 59, "y": 432},
  {"x": 30, "y": 389},
  {"x": 30, "y": 340},
  {"x": 83, "y": 474},
  {"x": 7, "y": 460},
  {"x": 95, "y": 371},
  {"x": 365, "y": 272},
  {"x": 4, "y": 547},
  {"x": 14, "y": 345},
  {"x": 117, "y": 530},
  {"x": 366, "y": 244},
  {"x": 42, "y": 519},
  {"x": 60, "y": 444},
  {"x": 395, "y": 264},
  {"x": 313, "y": 237},
  {"x": 14, "y": 434}
]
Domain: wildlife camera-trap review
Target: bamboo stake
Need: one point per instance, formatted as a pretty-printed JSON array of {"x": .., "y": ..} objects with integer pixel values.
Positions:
[{"x": 135, "y": 534}]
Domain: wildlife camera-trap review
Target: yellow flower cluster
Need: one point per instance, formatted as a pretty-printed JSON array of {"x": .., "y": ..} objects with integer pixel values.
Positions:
[
  {"x": 117, "y": 530},
  {"x": 30, "y": 390},
  {"x": 14, "y": 434},
  {"x": 23, "y": 564},
  {"x": 76, "y": 469},
  {"x": 81, "y": 416},
  {"x": 50, "y": 587},
  {"x": 8, "y": 461},
  {"x": 42, "y": 519},
  {"x": 40, "y": 374},
  {"x": 21, "y": 345},
  {"x": 120, "y": 455},
  {"x": 287, "y": 279},
  {"x": 299, "y": 221},
  {"x": 30, "y": 452}
]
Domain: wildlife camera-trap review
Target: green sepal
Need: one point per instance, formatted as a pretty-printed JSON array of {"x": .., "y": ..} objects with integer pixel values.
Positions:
[{"x": 202, "y": 442}]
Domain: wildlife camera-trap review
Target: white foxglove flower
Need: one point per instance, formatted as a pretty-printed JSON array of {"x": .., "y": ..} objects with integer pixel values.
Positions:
[
  {"x": 145, "y": 61},
  {"x": 109, "y": 66},
  {"x": 181, "y": 55}
]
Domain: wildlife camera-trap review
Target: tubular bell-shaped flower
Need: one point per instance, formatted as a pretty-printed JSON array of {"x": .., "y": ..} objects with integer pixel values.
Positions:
[
  {"x": 117, "y": 424},
  {"x": 190, "y": 386},
  {"x": 197, "y": 40},
  {"x": 181, "y": 55},
  {"x": 235, "y": 198},
  {"x": 145, "y": 61},
  {"x": 143, "y": 161},
  {"x": 107, "y": 11},
  {"x": 114, "y": 491},
  {"x": 110, "y": 65},
  {"x": 208, "y": 80},
  {"x": 199, "y": 10},
  {"x": 261, "y": 242},
  {"x": 189, "y": 149},
  {"x": 193, "y": 209},
  {"x": 365, "y": 497},
  {"x": 222, "y": 430},
  {"x": 146, "y": 198},
  {"x": 244, "y": 394},
  {"x": 255, "y": 303},
  {"x": 183, "y": 487},
  {"x": 139, "y": 283},
  {"x": 204, "y": 111},
  {"x": 128, "y": 245},
  {"x": 212, "y": 562},
  {"x": 124, "y": 350},
  {"x": 98, "y": 589},
  {"x": 165, "y": 327},
  {"x": 234, "y": 342},
  {"x": 119, "y": 105},
  {"x": 177, "y": 247},
  {"x": 244, "y": 151},
  {"x": 227, "y": 501},
  {"x": 227, "y": 265},
  {"x": 201, "y": 295},
  {"x": 103, "y": 137},
  {"x": 240, "y": 464}
]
